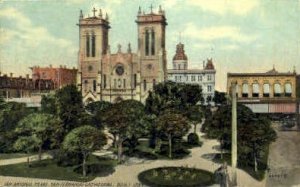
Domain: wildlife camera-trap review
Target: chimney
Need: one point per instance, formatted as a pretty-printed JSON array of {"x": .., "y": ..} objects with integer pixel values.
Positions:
[
  {"x": 60, "y": 66},
  {"x": 11, "y": 75},
  {"x": 0, "y": 73},
  {"x": 27, "y": 76},
  {"x": 50, "y": 65},
  {"x": 203, "y": 64}
]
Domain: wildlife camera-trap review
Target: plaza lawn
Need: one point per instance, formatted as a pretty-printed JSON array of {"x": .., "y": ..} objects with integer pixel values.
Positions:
[
  {"x": 4, "y": 156},
  {"x": 48, "y": 169}
]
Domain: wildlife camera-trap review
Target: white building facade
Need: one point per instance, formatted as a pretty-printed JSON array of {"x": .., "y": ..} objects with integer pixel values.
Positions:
[{"x": 204, "y": 77}]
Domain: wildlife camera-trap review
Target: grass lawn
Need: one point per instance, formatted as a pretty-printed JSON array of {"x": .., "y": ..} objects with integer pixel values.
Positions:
[
  {"x": 48, "y": 169},
  {"x": 4, "y": 156}
]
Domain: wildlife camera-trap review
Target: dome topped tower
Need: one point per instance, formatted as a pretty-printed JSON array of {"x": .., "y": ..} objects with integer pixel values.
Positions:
[{"x": 180, "y": 60}]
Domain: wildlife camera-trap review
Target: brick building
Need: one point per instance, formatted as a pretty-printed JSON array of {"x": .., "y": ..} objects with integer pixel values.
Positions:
[
  {"x": 61, "y": 76},
  {"x": 23, "y": 87}
]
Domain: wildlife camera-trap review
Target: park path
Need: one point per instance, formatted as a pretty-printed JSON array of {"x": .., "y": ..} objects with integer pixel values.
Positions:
[
  {"x": 23, "y": 159},
  {"x": 126, "y": 174}
]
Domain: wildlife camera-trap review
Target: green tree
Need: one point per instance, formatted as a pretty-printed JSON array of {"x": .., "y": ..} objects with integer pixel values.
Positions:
[
  {"x": 69, "y": 107},
  {"x": 26, "y": 144},
  {"x": 84, "y": 140},
  {"x": 126, "y": 119},
  {"x": 254, "y": 132},
  {"x": 172, "y": 124},
  {"x": 220, "y": 98},
  {"x": 48, "y": 104},
  {"x": 97, "y": 110},
  {"x": 195, "y": 115},
  {"x": 10, "y": 114},
  {"x": 170, "y": 95},
  {"x": 36, "y": 129}
]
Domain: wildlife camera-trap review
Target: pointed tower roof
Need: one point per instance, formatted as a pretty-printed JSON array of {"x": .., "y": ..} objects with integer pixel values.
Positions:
[
  {"x": 180, "y": 54},
  {"x": 209, "y": 64}
]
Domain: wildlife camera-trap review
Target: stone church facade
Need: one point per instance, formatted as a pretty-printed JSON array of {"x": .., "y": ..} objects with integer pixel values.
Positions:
[{"x": 107, "y": 76}]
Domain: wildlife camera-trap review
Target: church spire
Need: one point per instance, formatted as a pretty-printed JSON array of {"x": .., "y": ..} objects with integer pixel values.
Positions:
[
  {"x": 106, "y": 17},
  {"x": 140, "y": 11},
  {"x": 119, "y": 48},
  {"x": 81, "y": 15},
  {"x": 100, "y": 13},
  {"x": 160, "y": 10},
  {"x": 129, "y": 48},
  {"x": 94, "y": 12}
]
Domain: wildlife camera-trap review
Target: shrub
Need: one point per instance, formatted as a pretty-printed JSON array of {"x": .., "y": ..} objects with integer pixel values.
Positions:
[
  {"x": 140, "y": 154},
  {"x": 193, "y": 139},
  {"x": 64, "y": 158},
  {"x": 97, "y": 169}
]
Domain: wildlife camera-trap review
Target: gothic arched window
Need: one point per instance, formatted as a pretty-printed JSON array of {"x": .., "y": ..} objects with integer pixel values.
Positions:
[
  {"x": 145, "y": 85},
  {"x": 85, "y": 85},
  {"x": 152, "y": 42},
  {"x": 134, "y": 80},
  {"x": 93, "y": 45},
  {"x": 94, "y": 85},
  {"x": 87, "y": 47},
  {"x": 147, "y": 43}
]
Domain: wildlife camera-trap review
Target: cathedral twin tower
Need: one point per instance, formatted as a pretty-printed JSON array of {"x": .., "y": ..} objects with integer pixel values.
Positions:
[{"x": 112, "y": 77}]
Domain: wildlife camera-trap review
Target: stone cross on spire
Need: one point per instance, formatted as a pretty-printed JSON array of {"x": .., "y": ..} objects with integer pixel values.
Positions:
[{"x": 94, "y": 11}]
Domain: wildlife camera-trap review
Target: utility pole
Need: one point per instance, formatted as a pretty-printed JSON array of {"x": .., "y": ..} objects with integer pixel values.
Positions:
[{"x": 234, "y": 133}]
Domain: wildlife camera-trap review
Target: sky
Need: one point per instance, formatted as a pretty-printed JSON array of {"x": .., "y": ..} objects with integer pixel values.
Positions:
[{"x": 239, "y": 35}]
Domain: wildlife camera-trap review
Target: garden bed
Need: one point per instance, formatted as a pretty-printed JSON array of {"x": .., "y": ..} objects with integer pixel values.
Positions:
[{"x": 176, "y": 176}]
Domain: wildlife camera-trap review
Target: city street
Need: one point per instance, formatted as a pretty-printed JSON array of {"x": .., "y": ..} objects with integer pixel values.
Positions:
[{"x": 284, "y": 160}]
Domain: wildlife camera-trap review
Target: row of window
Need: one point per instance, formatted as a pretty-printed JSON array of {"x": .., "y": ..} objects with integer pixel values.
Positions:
[
  {"x": 117, "y": 83},
  {"x": 179, "y": 66},
  {"x": 193, "y": 78},
  {"x": 266, "y": 90}
]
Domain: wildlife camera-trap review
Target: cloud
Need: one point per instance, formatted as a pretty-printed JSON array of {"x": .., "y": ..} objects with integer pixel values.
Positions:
[
  {"x": 29, "y": 43},
  {"x": 202, "y": 46},
  {"x": 70, "y": 2},
  {"x": 238, "y": 7},
  {"x": 218, "y": 32},
  {"x": 106, "y": 6},
  {"x": 169, "y": 4},
  {"x": 230, "y": 47}
]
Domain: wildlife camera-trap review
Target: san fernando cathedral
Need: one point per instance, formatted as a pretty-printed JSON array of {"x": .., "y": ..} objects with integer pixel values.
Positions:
[{"x": 107, "y": 76}]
